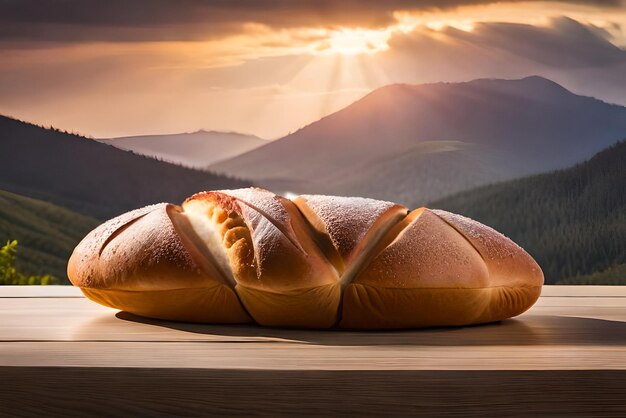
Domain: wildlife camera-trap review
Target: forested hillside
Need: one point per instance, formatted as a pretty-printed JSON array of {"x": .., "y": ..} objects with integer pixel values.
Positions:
[
  {"x": 46, "y": 233},
  {"x": 89, "y": 177},
  {"x": 613, "y": 275},
  {"x": 572, "y": 221}
]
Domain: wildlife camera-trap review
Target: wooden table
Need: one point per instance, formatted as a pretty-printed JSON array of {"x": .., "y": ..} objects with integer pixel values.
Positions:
[{"x": 61, "y": 354}]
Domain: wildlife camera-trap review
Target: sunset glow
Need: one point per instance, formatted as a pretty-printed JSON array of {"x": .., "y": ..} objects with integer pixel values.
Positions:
[
  {"x": 273, "y": 71},
  {"x": 357, "y": 41}
]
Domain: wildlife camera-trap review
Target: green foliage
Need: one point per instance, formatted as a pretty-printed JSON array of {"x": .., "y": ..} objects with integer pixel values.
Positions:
[
  {"x": 9, "y": 274},
  {"x": 572, "y": 221},
  {"x": 614, "y": 275}
]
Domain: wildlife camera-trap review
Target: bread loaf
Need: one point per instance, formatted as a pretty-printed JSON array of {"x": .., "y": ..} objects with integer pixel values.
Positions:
[{"x": 248, "y": 255}]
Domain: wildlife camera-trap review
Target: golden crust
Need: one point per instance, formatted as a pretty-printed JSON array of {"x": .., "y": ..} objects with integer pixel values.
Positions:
[
  {"x": 272, "y": 258},
  {"x": 508, "y": 263},
  {"x": 226, "y": 255},
  {"x": 427, "y": 253},
  {"x": 218, "y": 304},
  {"x": 141, "y": 259},
  {"x": 314, "y": 307},
  {"x": 348, "y": 221},
  {"x": 285, "y": 256},
  {"x": 224, "y": 214},
  {"x": 429, "y": 273},
  {"x": 136, "y": 251},
  {"x": 346, "y": 227},
  {"x": 369, "y": 307}
]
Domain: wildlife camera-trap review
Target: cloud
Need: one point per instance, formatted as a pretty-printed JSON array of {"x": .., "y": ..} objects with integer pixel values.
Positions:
[
  {"x": 564, "y": 43},
  {"x": 578, "y": 56},
  {"x": 176, "y": 20},
  {"x": 117, "y": 89}
]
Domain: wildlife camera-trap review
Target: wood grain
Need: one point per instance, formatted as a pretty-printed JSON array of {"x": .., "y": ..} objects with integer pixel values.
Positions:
[
  {"x": 113, "y": 392},
  {"x": 64, "y": 355}
]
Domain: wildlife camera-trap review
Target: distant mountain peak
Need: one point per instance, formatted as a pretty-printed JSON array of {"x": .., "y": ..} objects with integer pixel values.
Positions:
[
  {"x": 535, "y": 82},
  {"x": 200, "y": 131},
  {"x": 225, "y": 133},
  {"x": 382, "y": 145},
  {"x": 197, "y": 149},
  {"x": 532, "y": 81},
  {"x": 539, "y": 79}
]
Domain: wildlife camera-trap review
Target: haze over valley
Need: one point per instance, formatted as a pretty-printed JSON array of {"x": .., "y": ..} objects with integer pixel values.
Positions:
[{"x": 196, "y": 149}]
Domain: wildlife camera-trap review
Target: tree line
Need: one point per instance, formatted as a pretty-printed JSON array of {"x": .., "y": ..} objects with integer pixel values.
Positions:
[{"x": 572, "y": 221}]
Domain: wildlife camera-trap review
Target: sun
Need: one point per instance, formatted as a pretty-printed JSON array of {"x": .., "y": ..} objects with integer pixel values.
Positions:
[{"x": 356, "y": 41}]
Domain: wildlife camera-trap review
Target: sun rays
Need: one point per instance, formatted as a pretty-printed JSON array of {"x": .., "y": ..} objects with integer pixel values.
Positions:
[
  {"x": 273, "y": 76},
  {"x": 357, "y": 41}
]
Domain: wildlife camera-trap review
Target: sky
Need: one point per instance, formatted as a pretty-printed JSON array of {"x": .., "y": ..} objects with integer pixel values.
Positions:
[{"x": 117, "y": 67}]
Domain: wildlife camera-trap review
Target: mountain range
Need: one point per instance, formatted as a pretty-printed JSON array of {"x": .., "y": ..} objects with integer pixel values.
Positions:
[
  {"x": 90, "y": 177},
  {"x": 197, "y": 149},
  {"x": 418, "y": 143}
]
